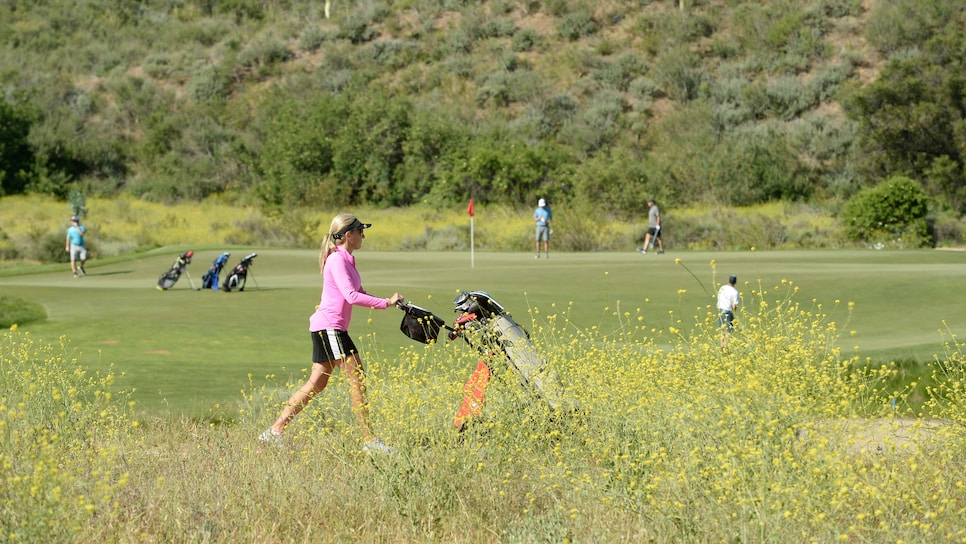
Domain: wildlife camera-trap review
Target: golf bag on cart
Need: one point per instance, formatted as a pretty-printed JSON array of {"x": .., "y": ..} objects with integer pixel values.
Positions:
[
  {"x": 239, "y": 275},
  {"x": 169, "y": 278},
  {"x": 483, "y": 323},
  {"x": 210, "y": 279}
]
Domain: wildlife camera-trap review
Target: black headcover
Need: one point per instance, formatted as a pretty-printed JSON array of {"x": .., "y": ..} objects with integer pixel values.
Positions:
[{"x": 420, "y": 324}]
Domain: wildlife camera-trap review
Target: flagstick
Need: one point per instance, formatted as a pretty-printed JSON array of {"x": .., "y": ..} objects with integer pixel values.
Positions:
[{"x": 472, "y": 245}]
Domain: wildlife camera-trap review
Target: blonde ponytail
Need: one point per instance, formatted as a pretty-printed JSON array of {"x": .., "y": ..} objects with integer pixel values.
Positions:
[{"x": 329, "y": 242}]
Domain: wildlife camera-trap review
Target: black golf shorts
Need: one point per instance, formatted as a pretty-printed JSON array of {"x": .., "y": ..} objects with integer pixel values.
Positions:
[{"x": 331, "y": 346}]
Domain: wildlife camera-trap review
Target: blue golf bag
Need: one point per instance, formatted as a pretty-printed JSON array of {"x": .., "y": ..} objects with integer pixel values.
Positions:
[{"x": 210, "y": 279}]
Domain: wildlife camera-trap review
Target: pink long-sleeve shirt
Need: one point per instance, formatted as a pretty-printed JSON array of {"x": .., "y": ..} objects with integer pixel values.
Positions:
[{"x": 341, "y": 290}]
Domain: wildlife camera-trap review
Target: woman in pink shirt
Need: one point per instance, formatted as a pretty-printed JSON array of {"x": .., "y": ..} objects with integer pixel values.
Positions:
[{"x": 331, "y": 344}]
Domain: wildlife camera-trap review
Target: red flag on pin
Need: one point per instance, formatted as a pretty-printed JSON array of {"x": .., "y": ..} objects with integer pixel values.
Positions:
[{"x": 469, "y": 209}]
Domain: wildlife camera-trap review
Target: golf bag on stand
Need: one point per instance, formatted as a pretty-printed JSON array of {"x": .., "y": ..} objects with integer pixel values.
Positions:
[
  {"x": 210, "y": 279},
  {"x": 483, "y": 323},
  {"x": 169, "y": 278},
  {"x": 239, "y": 275}
]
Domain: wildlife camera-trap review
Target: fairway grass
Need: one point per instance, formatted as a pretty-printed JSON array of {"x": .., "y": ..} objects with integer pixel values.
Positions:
[{"x": 191, "y": 352}]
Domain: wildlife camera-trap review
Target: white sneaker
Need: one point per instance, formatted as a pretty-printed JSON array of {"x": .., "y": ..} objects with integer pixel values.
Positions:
[
  {"x": 642, "y": 251},
  {"x": 271, "y": 436},
  {"x": 377, "y": 446}
]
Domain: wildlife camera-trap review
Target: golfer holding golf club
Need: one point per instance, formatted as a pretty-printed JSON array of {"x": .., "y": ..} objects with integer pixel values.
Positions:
[{"x": 331, "y": 344}]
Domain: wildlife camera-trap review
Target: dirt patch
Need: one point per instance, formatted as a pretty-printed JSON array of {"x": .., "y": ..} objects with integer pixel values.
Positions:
[{"x": 159, "y": 352}]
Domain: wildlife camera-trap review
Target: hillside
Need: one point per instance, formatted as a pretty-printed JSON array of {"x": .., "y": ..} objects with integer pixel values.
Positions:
[{"x": 596, "y": 103}]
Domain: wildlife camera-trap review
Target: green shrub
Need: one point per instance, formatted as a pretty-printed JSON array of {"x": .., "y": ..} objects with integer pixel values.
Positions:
[
  {"x": 575, "y": 25},
  {"x": 392, "y": 54},
  {"x": 788, "y": 36},
  {"x": 643, "y": 89},
  {"x": 208, "y": 85},
  {"x": 524, "y": 40},
  {"x": 499, "y": 27},
  {"x": 461, "y": 66},
  {"x": 357, "y": 29},
  {"x": 48, "y": 247},
  {"x": 262, "y": 55},
  {"x": 311, "y": 39},
  {"x": 787, "y": 97},
  {"x": 8, "y": 248},
  {"x": 616, "y": 183},
  {"x": 619, "y": 73},
  {"x": 205, "y": 31},
  {"x": 556, "y": 112},
  {"x": 598, "y": 124},
  {"x": 893, "y": 26},
  {"x": 157, "y": 65},
  {"x": 558, "y": 8},
  {"x": 892, "y": 213},
  {"x": 728, "y": 116},
  {"x": 680, "y": 74},
  {"x": 827, "y": 80},
  {"x": 17, "y": 311},
  {"x": 822, "y": 137},
  {"x": 755, "y": 167},
  {"x": 458, "y": 42},
  {"x": 841, "y": 8},
  {"x": 948, "y": 230}
]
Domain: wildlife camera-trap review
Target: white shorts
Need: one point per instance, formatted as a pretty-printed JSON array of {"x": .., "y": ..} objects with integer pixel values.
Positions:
[{"x": 78, "y": 253}]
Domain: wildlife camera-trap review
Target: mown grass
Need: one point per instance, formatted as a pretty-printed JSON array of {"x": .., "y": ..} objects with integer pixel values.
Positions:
[
  {"x": 186, "y": 352},
  {"x": 15, "y": 310}
]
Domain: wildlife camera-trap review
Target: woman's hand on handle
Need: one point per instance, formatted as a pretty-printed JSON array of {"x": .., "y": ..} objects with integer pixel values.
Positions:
[{"x": 395, "y": 300}]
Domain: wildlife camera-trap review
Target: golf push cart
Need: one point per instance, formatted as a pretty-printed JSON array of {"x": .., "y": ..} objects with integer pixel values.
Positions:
[{"x": 483, "y": 323}]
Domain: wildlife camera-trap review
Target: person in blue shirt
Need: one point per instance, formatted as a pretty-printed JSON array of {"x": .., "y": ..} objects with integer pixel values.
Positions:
[
  {"x": 75, "y": 246},
  {"x": 542, "y": 217}
]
